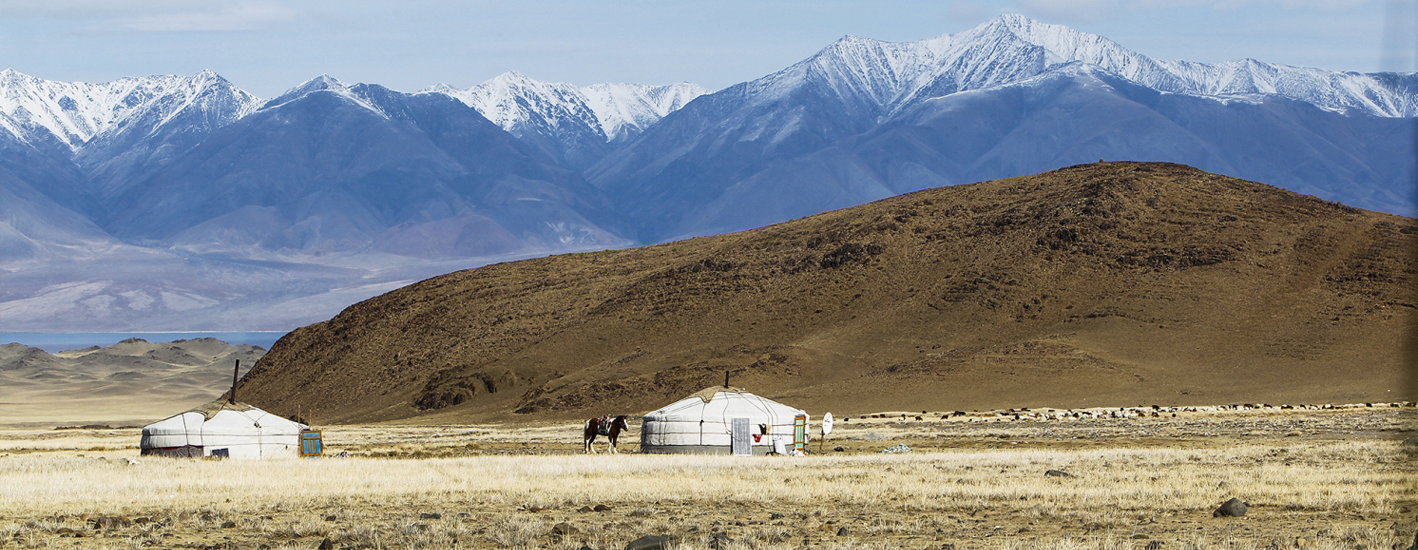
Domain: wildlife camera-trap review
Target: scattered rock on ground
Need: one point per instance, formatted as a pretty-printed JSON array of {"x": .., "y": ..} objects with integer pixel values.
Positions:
[
  {"x": 563, "y": 529},
  {"x": 897, "y": 448},
  {"x": 430, "y": 515},
  {"x": 842, "y": 532},
  {"x": 228, "y": 524},
  {"x": 601, "y": 508},
  {"x": 110, "y": 522},
  {"x": 838, "y": 448},
  {"x": 720, "y": 542},
  {"x": 327, "y": 544},
  {"x": 651, "y": 542},
  {"x": 1232, "y": 508},
  {"x": 1057, "y": 473}
]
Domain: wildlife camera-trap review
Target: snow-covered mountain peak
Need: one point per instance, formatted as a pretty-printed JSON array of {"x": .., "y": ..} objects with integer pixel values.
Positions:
[
  {"x": 325, "y": 83},
  {"x": 511, "y": 100},
  {"x": 519, "y": 104},
  {"x": 852, "y": 40},
  {"x": 883, "y": 77},
  {"x": 75, "y": 113},
  {"x": 672, "y": 97},
  {"x": 1344, "y": 91},
  {"x": 869, "y": 73},
  {"x": 886, "y": 77},
  {"x": 319, "y": 83},
  {"x": 627, "y": 109},
  {"x": 208, "y": 78},
  {"x": 440, "y": 88},
  {"x": 515, "y": 78},
  {"x": 1063, "y": 43}
]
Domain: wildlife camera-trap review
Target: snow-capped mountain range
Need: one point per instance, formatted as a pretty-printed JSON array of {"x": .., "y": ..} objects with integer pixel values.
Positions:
[
  {"x": 74, "y": 113},
  {"x": 800, "y": 141},
  {"x": 892, "y": 76},
  {"x": 513, "y": 101},
  {"x": 575, "y": 125},
  {"x": 185, "y": 202}
]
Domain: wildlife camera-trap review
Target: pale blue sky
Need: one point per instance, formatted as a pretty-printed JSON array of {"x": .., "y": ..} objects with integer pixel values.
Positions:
[{"x": 267, "y": 46}]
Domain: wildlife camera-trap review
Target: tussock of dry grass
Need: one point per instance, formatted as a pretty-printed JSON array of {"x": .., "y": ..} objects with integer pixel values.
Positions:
[{"x": 1329, "y": 477}]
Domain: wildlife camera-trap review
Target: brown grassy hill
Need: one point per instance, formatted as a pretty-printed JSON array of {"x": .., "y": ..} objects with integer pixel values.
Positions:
[{"x": 1102, "y": 284}]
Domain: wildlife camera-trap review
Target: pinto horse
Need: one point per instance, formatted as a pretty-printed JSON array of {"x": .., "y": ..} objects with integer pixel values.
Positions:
[{"x": 606, "y": 426}]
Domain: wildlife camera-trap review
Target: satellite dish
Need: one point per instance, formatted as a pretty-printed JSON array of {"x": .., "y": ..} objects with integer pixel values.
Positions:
[{"x": 826, "y": 424}]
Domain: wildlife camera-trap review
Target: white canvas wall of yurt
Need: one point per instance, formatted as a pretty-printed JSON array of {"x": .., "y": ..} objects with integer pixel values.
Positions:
[
  {"x": 703, "y": 423},
  {"x": 222, "y": 428}
]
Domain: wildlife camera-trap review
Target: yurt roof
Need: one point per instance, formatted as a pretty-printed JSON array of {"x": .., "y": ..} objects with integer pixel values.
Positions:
[
  {"x": 238, "y": 413},
  {"x": 736, "y": 398},
  {"x": 707, "y": 394},
  {"x": 211, "y": 409}
]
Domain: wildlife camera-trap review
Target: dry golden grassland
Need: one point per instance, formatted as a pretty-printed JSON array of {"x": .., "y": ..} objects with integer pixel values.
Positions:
[{"x": 1314, "y": 479}]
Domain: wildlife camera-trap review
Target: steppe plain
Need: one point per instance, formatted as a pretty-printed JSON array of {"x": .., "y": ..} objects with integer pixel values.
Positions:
[
  {"x": 1112, "y": 286},
  {"x": 1313, "y": 477}
]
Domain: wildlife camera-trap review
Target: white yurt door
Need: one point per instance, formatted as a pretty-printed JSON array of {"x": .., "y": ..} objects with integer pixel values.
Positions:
[{"x": 742, "y": 438}]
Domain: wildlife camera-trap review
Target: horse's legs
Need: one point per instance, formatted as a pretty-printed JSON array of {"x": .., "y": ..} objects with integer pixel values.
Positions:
[
  {"x": 590, "y": 444},
  {"x": 610, "y": 443}
]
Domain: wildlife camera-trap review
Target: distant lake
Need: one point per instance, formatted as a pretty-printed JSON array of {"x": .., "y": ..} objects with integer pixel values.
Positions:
[{"x": 56, "y": 342}]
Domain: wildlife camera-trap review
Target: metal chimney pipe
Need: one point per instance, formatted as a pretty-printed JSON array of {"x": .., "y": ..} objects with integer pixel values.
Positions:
[{"x": 234, "y": 372}]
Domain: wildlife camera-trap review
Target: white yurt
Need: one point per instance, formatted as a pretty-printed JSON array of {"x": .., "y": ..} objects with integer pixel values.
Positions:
[
  {"x": 223, "y": 428},
  {"x": 722, "y": 420}
]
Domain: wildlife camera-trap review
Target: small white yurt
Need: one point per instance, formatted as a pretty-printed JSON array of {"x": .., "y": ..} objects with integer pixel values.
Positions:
[
  {"x": 722, "y": 420},
  {"x": 223, "y": 428}
]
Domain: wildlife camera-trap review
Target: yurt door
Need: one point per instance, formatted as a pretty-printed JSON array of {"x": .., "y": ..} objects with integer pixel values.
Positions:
[
  {"x": 800, "y": 433},
  {"x": 741, "y": 438}
]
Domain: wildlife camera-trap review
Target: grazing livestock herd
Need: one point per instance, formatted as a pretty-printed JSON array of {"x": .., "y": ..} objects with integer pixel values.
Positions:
[{"x": 1141, "y": 411}]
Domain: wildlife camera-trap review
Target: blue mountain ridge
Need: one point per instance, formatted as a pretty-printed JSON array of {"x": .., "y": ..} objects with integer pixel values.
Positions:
[{"x": 331, "y": 192}]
